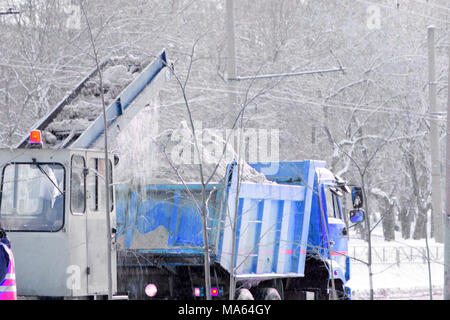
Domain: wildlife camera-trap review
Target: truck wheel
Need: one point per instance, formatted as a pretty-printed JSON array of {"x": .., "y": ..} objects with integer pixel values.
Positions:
[
  {"x": 244, "y": 294},
  {"x": 270, "y": 294}
]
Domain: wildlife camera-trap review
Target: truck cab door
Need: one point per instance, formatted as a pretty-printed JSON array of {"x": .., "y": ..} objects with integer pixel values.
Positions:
[
  {"x": 77, "y": 217},
  {"x": 97, "y": 233},
  {"x": 337, "y": 231}
]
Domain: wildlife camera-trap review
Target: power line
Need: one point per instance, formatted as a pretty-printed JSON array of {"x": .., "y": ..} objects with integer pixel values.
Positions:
[
  {"x": 279, "y": 75},
  {"x": 344, "y": 105},
  {"x": 49, "y": 65},
  {"x": 40, "y": 68},
  {"x": 9, "y": 11},
  {"x": 385, "y": 110}
]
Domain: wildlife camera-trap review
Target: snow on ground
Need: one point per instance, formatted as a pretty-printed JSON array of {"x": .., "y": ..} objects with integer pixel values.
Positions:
[{"x": 400, "y": 270}]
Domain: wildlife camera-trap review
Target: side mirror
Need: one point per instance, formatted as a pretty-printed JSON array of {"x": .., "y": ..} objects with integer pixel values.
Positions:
[
  {"x": 356, "y": 215},
  {"x": 357, "y": 197}
]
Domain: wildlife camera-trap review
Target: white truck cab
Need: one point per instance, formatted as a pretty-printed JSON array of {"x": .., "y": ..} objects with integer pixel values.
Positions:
[{"x": 52, "y": 206}]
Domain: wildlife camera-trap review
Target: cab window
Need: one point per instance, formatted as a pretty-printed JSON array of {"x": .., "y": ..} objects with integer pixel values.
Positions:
[
  {"x": 77, "y": 185},
  {"x": 32, "y": 197},
  {"x": 332, "y": 206},
  {"x": 96, "y": 185}
]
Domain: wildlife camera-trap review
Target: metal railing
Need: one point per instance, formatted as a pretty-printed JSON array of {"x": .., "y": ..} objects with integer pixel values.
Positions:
[{"x": 398, "y": 254}]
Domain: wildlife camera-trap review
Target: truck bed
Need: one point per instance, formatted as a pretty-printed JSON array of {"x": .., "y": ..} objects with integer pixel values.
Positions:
[{"x": 272, "y": 225}]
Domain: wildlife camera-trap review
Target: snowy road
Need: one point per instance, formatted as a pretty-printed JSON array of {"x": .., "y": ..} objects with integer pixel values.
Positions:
[
  {"x": 400, "y": 271},
  {"x": 400, "y": 294}
]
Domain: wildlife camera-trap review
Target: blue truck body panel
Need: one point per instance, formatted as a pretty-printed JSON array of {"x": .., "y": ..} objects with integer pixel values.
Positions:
[
  {"x": 277, "y": 224},
  {"x": 271, "y": 230},
  {"x": 321, "y": 225},
  {"x": 160, "y": 218}
]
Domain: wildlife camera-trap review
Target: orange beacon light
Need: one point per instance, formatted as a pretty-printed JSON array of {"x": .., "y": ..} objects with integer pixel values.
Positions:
[
  {"x": 35, "y": 139},
  {"x": 35, "y": 136}
]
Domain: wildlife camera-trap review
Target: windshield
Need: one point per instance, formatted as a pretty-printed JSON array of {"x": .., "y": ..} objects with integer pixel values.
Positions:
[{"x": 32, "y": 197}]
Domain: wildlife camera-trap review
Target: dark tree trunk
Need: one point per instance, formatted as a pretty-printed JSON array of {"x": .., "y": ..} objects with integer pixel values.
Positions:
[
  {"x": 389, "y": 224},
  {"x": 405, "y": 222},
  {"x": 421, "y": 223},
  {"x": 422, "y": 207}
]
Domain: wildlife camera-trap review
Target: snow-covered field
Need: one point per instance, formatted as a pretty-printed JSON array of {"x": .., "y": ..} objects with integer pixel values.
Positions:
[{"x": 400, "y": 269}]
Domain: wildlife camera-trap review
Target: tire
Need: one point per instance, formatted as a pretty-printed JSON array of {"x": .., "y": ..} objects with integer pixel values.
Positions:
[
  {"x": 340, "y": 291},
  {"x": 270, "y": 294},
  {"x": 244, "y": 294}
]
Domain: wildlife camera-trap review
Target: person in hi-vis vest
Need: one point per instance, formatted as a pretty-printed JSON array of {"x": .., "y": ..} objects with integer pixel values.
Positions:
[{"x": 7, "y": 271}]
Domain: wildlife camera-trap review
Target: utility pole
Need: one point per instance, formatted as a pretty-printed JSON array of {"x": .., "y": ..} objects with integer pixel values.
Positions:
[
  {"x": 231, "y": 52},
  {"x": 437, "y": 215},
  {"x": 447, "y": 192}
]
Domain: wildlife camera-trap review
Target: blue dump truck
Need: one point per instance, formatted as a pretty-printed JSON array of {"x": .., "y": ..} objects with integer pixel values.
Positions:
[
  {"x": 291, "y": 238},
  {"x": 285, "y": 238}
]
